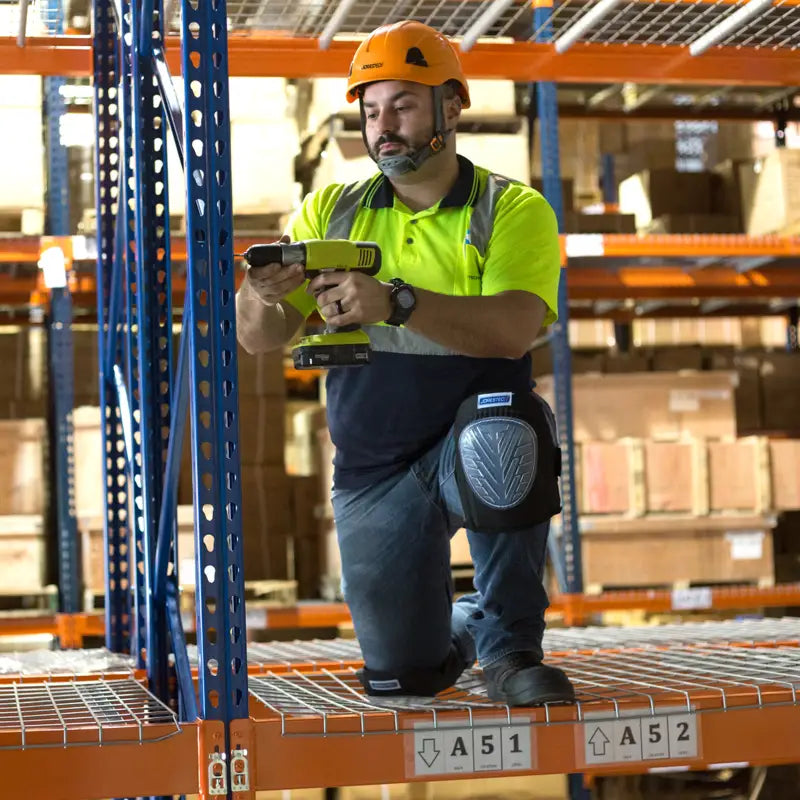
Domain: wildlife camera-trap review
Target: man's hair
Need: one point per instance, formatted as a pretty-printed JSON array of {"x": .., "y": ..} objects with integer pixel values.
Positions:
[{"x": 450, "y": 89}]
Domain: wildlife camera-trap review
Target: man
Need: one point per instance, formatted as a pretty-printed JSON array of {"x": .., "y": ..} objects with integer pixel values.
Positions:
[{"x": 441, "y": 428}]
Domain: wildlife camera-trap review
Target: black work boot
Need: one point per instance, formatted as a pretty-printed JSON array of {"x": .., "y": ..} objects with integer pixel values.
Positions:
[{"x": 520, "y": 679}]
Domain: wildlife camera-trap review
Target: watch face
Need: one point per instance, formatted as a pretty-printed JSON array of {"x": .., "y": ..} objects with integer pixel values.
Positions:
[{"x": 405, "y": 298}]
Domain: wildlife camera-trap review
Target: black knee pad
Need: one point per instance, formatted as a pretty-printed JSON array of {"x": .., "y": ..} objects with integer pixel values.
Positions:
[
  {"x": 508, "y": 461},
  {"x": 420, "y": 682}
]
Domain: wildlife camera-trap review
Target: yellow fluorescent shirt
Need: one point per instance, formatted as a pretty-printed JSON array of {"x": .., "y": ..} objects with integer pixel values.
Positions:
[{"x": 431, "y": 249}]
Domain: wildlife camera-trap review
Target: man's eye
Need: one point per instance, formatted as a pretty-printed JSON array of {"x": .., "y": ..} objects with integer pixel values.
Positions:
[{"x": 372, "y": 116}]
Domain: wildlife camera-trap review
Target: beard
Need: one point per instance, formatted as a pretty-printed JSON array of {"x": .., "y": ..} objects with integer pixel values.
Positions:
[{"x": 389, "y": 138}]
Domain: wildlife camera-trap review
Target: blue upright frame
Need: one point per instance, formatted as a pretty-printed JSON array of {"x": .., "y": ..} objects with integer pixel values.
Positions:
[
  {"x": 134, "y": 272},
  {"x": 211, "y": 324},
  {"x": 547, "y": 107},
  {"x": 60, "y": 346},
  {"x": 108, "y": 198}
]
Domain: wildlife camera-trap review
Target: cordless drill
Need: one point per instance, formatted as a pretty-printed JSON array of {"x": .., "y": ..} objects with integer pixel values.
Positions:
[{"x": 347, "y": 346}]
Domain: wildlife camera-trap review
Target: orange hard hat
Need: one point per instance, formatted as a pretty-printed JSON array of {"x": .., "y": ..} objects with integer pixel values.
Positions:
[{"x": 406, "y": 51}]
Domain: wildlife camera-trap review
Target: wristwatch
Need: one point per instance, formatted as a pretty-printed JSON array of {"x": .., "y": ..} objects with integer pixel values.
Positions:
[{"x": 403, "y": 300}]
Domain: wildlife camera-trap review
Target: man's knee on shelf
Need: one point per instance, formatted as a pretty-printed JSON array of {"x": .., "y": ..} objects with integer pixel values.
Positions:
[{"x": 419, "y": 681}]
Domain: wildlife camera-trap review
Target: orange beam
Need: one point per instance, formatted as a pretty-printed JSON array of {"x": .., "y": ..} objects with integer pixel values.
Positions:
[
  {"x": 113, "y": 770},
  {"x": 698, "y": 245},
  {"x": 300, "y": 57},
  {"x": 578, "y": 607},
  {"x": 742, "y": 734}
]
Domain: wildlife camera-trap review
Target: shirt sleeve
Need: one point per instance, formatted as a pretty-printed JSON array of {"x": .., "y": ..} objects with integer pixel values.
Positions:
[
  {"x": 310, "y": 221},
  {"x": 524, "y": 251}
]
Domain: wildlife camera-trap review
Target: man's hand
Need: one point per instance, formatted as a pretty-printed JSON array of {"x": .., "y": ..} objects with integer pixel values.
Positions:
[
  {"x": 345, "y": 298},
  {"x": 272, "y": 282}
]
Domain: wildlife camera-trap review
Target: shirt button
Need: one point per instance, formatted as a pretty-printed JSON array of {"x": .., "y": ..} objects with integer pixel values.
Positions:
[
  {"x": 414, "y": 221},
  {"x": 409, "y": 240}
]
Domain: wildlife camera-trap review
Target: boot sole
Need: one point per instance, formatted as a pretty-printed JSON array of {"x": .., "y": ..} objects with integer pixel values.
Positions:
[{"x": 529, "y": 699}]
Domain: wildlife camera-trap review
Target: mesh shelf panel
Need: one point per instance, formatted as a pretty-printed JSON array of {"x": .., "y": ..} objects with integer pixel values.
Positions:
[
  {"x": 82, "y": 713},
  {"x": 342, "y": 653},
  {"x": 633, "y": 22},
  {"x": 63, "y": 663},
  {"x": 714, "y": 677}
]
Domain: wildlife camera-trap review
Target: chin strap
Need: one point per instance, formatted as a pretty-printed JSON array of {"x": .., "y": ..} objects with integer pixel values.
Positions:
[{"x": 392, "y": 166}]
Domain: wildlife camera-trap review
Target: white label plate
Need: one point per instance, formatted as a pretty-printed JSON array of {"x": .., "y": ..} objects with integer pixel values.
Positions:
[
  {"x": 631, "y": 738},
  {"x": 698, "y": 597},
  {"x": 490, "y": 746}
]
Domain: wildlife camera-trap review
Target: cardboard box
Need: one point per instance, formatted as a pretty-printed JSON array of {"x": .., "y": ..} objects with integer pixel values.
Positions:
[
  {"x": 266, "y": 522},
  {"x": 261, "y": 375},
  {"x": 674, "y": 359},
  {"x": 748, "y": 388},
  {"x": 657, "y": 405},
  {"x": 694, "y": 223},
  {"x": 780, "y": 389},
  {"x": 262, "y": 433},
  {"x": 666, "y": 332},
  {"x": 591, "y": 333},
  {"x": 576, "y": 222},
  {"x": 459, "y": 548},
  {"x": 90, "y": 486},
  {"x": 727, "y": 191},
  {"x": 770, "y": 191},
  {"x": 667, "y": 551},
  {"x": 784, "y": 461},
  {"x": 22, "y": 445},
  {"x": 567, "y": 191},
  {"x": 653, "y": 193},
  {"x": 634, "y": 361}
]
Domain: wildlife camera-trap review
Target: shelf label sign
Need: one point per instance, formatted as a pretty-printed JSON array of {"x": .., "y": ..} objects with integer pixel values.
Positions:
[
  {"x": 491, "y": 745},
  {"x": 668, "y": 735},
  {"x": 687, "y": 598}
]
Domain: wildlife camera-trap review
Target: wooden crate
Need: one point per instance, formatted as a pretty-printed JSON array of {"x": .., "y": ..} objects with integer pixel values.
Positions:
[
  {"x": 784, "y": 473},
  {"x": 619, "y": 552},
  {"x": 22, "y": 466},
  {"x": 22, "y": 554}
]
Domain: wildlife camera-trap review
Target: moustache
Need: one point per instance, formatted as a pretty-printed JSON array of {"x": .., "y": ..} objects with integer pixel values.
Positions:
[{"x": 389, "y": 138}]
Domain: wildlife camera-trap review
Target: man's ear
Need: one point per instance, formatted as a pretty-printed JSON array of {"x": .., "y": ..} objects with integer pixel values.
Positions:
[{"x": 452, "y": 111}]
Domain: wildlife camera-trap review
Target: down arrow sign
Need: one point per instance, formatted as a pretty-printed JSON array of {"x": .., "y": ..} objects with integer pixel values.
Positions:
[{"x": 429, "y": 753}]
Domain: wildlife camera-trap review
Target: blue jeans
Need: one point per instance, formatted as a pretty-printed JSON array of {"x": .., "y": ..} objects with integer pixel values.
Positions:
[{"x": 394, "y": 538}]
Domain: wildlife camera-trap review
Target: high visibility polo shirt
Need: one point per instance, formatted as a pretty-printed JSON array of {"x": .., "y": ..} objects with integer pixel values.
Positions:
[{"x": 385, "y": 415}]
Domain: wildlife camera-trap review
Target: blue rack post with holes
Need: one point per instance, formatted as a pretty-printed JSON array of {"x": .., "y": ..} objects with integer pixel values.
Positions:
[
  {"x": 59, "y": 340},
  {"x": 547, "y": 113},
  {"x": 136, "y": 107}
]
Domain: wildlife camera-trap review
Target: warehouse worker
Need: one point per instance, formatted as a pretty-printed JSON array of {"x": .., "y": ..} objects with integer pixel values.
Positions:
[{"x": 441, "y": 430}]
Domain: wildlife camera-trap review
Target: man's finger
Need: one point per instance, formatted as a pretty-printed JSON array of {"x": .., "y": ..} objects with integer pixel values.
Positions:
[{"x": 326, "y": 280}]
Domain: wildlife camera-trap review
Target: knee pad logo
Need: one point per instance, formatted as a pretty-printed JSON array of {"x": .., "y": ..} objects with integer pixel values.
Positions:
[
  {"x": 499, "y": 460},
  {"x": 495, "y": 399}
]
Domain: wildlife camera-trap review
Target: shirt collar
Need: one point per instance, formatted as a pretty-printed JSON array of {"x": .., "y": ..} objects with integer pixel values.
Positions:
[{"x": 464, "y": 192}]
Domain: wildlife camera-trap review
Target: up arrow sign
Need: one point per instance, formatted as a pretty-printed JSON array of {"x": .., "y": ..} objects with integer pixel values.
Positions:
[
  {"x": 598, "y": 742},
  {"x": 429, "y": 753}
]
